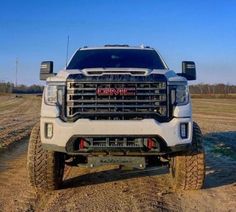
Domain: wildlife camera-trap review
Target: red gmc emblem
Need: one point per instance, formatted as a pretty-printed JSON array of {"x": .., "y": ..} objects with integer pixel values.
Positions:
[{"x": 115, "y": 91}]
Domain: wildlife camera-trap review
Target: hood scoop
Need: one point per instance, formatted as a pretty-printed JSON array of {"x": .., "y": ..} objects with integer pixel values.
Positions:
[{"x": 100, "y": 72}]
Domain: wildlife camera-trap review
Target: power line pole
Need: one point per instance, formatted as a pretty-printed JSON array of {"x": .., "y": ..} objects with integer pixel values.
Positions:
[
  {"x": 16, "y": 71},
  {"x": 67, "y": 49}
]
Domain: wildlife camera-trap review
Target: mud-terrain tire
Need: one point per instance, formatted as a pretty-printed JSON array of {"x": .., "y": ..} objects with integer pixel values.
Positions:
[
  {"x": 45, "y": 168},
  {"x": 188, "y": 169}
]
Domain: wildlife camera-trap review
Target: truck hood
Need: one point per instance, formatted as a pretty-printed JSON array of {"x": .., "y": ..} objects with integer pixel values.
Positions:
[{"x": 169, "y": 74}]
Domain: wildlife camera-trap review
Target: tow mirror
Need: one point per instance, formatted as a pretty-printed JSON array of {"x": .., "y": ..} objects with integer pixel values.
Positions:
[
  {"x": 188, "y": 70},
  {"x": 46, "y": 70}
]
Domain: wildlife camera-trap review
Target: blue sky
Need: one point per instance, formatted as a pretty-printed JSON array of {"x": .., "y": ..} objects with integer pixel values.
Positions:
[{"x": 203, "y": 31}]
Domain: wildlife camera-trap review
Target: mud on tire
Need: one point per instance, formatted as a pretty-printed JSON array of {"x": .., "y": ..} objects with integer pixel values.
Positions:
[
  {"x": 45, "y": 169},
  {"x": 188, "y": 168}
]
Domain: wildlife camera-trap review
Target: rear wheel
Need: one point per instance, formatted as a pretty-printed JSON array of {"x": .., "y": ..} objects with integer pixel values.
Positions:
[
  {"x": 188, "y": 168},
  {"x": 45, "y": 168}
]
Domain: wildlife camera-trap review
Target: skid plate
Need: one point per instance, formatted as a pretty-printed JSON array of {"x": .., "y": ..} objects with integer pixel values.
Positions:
[{"x": 134, "y": 162}]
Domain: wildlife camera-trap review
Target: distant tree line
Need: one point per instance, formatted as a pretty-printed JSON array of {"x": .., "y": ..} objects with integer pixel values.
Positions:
[
  {"x": 6, "y": 87},
  {"x": 21, "y": 89},
  {"x": 212, "y": 89},
  {"x": 194, "y": 89}
]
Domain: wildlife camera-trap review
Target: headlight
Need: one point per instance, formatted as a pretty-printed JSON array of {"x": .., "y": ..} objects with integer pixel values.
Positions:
[
  {"x": 54, "y": 94},
  {"x": 51, "y": 94},
  {"x": 180, "y": 95}
]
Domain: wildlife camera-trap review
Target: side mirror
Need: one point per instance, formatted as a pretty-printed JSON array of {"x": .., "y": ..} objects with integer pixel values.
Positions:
[
  {"x": 188, "y": 70},
  {"x": 46, "y": 70}
]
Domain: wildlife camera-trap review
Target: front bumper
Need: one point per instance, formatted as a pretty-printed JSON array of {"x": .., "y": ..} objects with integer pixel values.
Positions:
[{"x": 62, "y": 132}]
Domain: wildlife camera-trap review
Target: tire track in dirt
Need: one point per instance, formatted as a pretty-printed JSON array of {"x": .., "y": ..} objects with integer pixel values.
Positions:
[
  {"x": 86, "y": 190},
  {"x": 16, "y": 194},
  {"x": 16, "y": 122},
  {"x": 148, "y": 194},
  {"x": 110, "y": 189},
  {"x": 151, "y": 190},
  {"x": 107, "y": 188}
]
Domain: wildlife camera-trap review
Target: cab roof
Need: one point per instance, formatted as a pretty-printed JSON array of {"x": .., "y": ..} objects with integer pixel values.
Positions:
[{"x": 117, "y": 46}]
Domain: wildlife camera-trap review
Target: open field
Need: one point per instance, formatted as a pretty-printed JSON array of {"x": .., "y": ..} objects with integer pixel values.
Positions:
[
  {"x": 110, "y": 189},
  {"x": 215, "y": 115},
  {"x": 214, "y": 96},
  {"x": 17, "y": 116}
]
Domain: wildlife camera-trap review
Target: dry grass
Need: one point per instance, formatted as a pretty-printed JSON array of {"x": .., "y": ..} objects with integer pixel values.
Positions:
[
  {"x": 214, "y": 96},
  {"x": 215, "y": 114}
]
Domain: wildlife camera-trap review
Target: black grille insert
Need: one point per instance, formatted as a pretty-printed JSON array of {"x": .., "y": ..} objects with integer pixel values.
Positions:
[{"x": 148, "y": 100}]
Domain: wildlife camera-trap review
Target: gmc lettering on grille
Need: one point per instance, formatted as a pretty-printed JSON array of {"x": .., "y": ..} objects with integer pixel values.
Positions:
[{"x": 115, "y": 91}]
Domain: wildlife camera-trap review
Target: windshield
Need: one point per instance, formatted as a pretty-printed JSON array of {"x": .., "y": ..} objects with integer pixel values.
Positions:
[{"x": 116, "y": 58}]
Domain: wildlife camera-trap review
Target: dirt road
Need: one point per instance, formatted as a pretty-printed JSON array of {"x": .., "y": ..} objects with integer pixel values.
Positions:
[
  {"x": 17, "y": 116},
  {"x": 110, "y": 189}
]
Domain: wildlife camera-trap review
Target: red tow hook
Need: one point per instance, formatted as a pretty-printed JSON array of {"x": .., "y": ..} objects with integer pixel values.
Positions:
[
  {"x": 150, "y": 143},
  {"x": 82, "y": 144}
]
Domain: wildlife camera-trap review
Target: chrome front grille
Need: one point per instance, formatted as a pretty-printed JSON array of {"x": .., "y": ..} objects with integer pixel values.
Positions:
[{"x": 148, "y": 100}]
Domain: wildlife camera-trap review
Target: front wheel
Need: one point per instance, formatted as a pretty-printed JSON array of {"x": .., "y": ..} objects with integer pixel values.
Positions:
[
  {"x": 188, "y": 168},
  {"x": 45, "y": 168}
]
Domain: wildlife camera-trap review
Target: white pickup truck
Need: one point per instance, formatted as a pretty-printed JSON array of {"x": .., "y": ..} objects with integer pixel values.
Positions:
[{"x": 120, "y": 105}]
